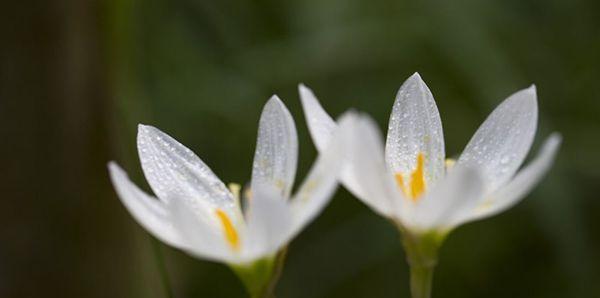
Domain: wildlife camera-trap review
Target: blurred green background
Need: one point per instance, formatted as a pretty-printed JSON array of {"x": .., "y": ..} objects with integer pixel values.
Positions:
[{"x": 77, "y": 76}]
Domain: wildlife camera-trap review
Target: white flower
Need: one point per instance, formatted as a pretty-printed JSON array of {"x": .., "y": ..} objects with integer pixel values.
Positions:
[
  {"x": 195, "y": 212},
  {"x": 413, "y": 184}
]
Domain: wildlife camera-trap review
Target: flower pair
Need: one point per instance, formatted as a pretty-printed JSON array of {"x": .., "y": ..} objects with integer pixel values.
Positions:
[{"x": 409, "y": 181}]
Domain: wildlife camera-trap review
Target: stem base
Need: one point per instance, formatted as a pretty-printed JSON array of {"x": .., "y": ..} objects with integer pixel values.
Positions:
[{"x": 421, "y": 255}]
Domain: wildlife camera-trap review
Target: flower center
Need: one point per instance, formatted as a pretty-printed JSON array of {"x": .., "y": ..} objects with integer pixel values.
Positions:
[
  {"x": 416, "y": 185},
  {"x": 229, "y": 231}
]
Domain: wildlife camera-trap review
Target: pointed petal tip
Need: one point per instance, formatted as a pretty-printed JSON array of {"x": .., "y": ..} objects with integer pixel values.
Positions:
[
  {"x": 525, "y": 97},
  {"x": 555, "y": 139},
  {"x": 275, "y": 101},
  {"x": 306, "y": 94},
  {"x": 415, "y": 77},
  {"x": 274, "y": 98},
  {"x": 115, "y": 171},
  {"x": 556, "y": 135},
  {"x": 275, "y": 104},
  {"x": 532, "y": 91},
  {"x": 144, "y": 129},
  {"x": 415, "y": 80},
  {"x": 147, "y": 133},
  {"x": 112, "y": 165}
]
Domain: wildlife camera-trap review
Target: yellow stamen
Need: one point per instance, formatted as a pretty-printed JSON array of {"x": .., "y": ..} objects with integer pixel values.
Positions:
[
  {"x": 229, "y": 230},
  {"x": 400, "y": 182},
  {"x": 279, "y": 184},
  {"x": 235, "y": 188},
  {"x": 416, "y": 186},
  {"x": 449, "y": 163},
  {"x": 417, "y": 181},
  {"x": 248, "y": 193}
]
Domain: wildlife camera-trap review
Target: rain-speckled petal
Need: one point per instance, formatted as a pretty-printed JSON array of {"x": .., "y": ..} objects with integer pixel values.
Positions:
[
  {"x": 523, "y": 182},
  {"x": 320, "y": 124},
  {"x": 175, "y": 173},
  {"x": 502, "y": 142},
  {"x": 276, "y": 152},
  {"x": 415, "y": 128},
  {"x": 149, "y": 212}
]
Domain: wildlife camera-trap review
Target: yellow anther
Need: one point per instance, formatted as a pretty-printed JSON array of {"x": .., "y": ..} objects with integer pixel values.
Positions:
[
  {"x": 449, "y": 163},
  {"x": 229, "y": 230},
  {"x": 248, "y": 193},
  {"x": 235, "y": 188},
  {"x": 417, "y": 181},
  {"x": 400, "y": 182},
  {"x": 279, "y": 184},
  {"x": 416, "y": 186}
]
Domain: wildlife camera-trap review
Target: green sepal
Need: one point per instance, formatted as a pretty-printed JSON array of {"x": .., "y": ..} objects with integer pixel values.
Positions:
[
  {"x": 259, "y": 277},
  {"x": 422, "y": 248}
]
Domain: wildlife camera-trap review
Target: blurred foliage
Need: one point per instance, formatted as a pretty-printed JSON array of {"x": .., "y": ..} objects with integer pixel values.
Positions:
[{"x": 77, "y": 76}]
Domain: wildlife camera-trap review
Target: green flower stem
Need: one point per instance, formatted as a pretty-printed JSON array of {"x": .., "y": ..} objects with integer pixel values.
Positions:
[
  {"x": 421, "y": 278},
  {"x": 277, "y": 270},
  {"x": 261, "y": 277},
  {"x": 421, "y": 255}
]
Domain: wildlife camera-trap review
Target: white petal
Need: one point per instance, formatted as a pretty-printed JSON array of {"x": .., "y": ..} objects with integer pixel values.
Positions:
[
  {"x": 447, "y": 203},
  {"x": 149, "y": 212},
  {"x": 321, "y": 127},
  {"x": 276, "y": 152},
  {"x": 320, "y": 124},
  {"x": 501, "y": 143},
  {"x": 269, "y": 221},
  {"x": 367, "y": 167},
  {"x": 415, "y": 127},
  {"x": 175, "y": 172},
  {"x": 525, "y": 180},
  {"x": 320, "y": 184},
  {"x": 203, "y": 240}
]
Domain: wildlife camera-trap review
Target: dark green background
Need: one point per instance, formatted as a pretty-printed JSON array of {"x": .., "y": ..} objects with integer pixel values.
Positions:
[{"x": 77, "y": 76}]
